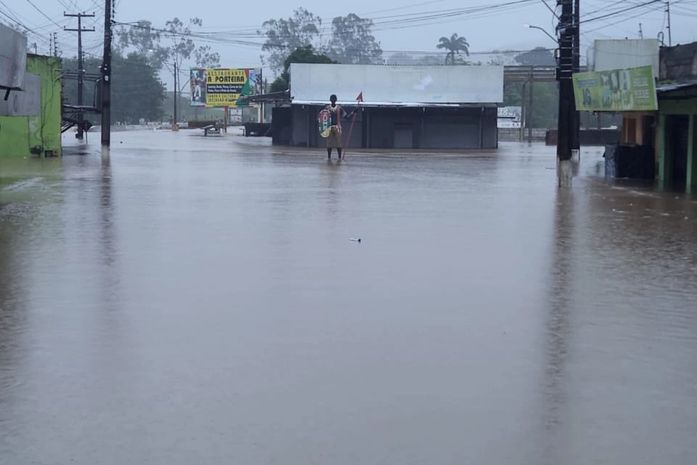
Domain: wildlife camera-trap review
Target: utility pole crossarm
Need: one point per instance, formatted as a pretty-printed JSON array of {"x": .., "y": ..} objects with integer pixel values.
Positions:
[{"x": 80, "y": 66}]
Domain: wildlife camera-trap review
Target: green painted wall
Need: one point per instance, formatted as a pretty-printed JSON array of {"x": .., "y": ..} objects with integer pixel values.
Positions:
[{"x": 19, "y": 135}]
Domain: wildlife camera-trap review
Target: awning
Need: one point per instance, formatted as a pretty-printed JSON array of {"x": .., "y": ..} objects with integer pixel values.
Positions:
[{"x": 675, "y": 86}]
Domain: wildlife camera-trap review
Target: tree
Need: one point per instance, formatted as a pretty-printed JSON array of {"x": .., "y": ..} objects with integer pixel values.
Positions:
[
  {"x": 455, "y": 44},
  {"x": 352, "y": 41},
  {"x": 539, "y": 56},
  {"x": 400, "y": 58},
  {"x": 300, "y": 55},
  {"x": 137, "y": 91},
  {"x": 145, "y": 40},
  {"x": 285, "y": 35},
  {"x": 429, "y": 60},
  {"x": 545, "y": 105},
  {"x": 183, "y": 47},
  {"x": 205, "y": 57}
]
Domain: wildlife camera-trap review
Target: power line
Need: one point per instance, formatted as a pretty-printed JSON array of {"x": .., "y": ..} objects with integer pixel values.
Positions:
[
  {"x": 42, "y": 13},
  {"x": 617, "y": 12}
]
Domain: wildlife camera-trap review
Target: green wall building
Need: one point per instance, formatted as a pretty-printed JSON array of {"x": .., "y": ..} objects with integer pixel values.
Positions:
[
  {"x": 37, "y": 131},
  {"x": 677, "y": 137}
]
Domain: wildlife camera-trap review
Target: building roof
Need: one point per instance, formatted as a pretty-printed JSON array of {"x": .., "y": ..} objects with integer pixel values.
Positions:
[
  {"x": 676, "y": 86},
  {"x": 397, "y": 86},
  {"x": 271, "y": 97}
]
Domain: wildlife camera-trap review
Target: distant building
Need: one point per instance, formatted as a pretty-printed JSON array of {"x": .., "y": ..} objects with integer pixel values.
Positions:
[{"x": 409, "y": 107}]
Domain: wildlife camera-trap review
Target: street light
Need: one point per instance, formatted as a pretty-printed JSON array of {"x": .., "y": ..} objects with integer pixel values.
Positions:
[{"x": 530, "y": 26}]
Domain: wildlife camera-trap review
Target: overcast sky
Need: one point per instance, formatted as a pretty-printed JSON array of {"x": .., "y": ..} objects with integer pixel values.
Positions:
[{"x": 485, "y": 30}]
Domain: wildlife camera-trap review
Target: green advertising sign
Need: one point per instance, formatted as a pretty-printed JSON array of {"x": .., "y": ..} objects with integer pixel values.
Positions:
[{"x": 631, "y": 89}]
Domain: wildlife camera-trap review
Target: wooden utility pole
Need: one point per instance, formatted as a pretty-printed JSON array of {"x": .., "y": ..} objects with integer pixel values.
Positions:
[
  {"x": 81, "y": 68},
  {"x": 106, "y": 75}
]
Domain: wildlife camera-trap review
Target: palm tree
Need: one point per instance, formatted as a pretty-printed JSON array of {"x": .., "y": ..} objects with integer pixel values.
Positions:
[{"x": 455, "y": 44}]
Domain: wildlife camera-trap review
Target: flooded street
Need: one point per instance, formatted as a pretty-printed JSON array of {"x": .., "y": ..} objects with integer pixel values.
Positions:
[{"x": 199, "y": 300}]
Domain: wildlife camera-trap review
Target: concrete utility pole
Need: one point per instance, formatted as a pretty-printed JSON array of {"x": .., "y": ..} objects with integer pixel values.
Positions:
[
  {"x": 106, "y": 74},
  {"x": 174, "y": 121},
  {"x": 670, "y": 29},
  {"x": 567, "y": 108},
  {"x": 80, "y": 68},
  {"x": 576, "y": 121}
]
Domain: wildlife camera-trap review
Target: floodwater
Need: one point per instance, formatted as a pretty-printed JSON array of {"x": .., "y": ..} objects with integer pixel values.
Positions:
[{"x": 197, "y": 300}]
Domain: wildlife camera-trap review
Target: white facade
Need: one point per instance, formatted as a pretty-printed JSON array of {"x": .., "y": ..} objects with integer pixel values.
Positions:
[
  {"x": 607, "y": 55},
  {"x": 415, "y": 86}
]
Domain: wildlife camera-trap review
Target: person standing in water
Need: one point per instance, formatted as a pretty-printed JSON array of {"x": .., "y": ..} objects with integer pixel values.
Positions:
[{"x": 337, "y": 113}]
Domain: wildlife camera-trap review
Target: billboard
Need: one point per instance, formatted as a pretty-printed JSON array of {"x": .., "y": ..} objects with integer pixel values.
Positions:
[
  {"x": 397, "y": 85},
  {"x": 222, "y": 87},
  {"x": 631, "y": 89},
  {"x": 13, "y": 58},
  {"x": 197, "y": 82},
  {"x": 608, "y": 55}
]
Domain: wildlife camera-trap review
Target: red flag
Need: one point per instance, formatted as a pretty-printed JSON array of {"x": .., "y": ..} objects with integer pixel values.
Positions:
[{"x": 360, "y": 97}]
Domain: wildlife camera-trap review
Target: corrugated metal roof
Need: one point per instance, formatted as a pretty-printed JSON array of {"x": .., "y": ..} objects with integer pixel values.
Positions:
[{"x": 670, "y": 87}]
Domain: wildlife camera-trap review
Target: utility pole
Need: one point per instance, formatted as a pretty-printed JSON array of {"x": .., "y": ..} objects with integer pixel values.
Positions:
[
  {"x": 576, "y": 121},
  {"x": 106, "y": 75},
  {"x": 565, "y": 69},
  {"x": 81, "y": 68},
  {"x": 641, "y": 31},
  {"x": 670, "y": 30},
  {"x": 174, "y": 122},
  {"x": 55, "y": 44}
]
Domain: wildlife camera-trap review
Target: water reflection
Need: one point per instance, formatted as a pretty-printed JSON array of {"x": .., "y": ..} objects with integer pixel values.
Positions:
[
  {"x": 558, "y": 328},
  {"x": 199, "y": 305}
]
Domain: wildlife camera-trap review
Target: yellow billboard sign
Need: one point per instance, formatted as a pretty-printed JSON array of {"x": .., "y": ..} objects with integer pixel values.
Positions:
[{"x": 224, "y": 86}]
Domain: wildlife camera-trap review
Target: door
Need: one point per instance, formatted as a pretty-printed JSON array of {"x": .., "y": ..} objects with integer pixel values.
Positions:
[
  {"x": 403, "y": 136},
  {"x": 678, "y": 133}
]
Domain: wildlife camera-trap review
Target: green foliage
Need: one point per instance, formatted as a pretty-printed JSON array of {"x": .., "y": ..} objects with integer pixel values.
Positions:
[
  {"x": 305, "y": 54},
  {"x": 539, "y": 56},
  {"x": 352, "y": 41},
  {"x": 280, "y": 84},
  {"x": 285, "y": 35},
  {"x": 137, "y": 91},
  {"x": 454, "y": 44},
  {"x": 545, "y": 101}
]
